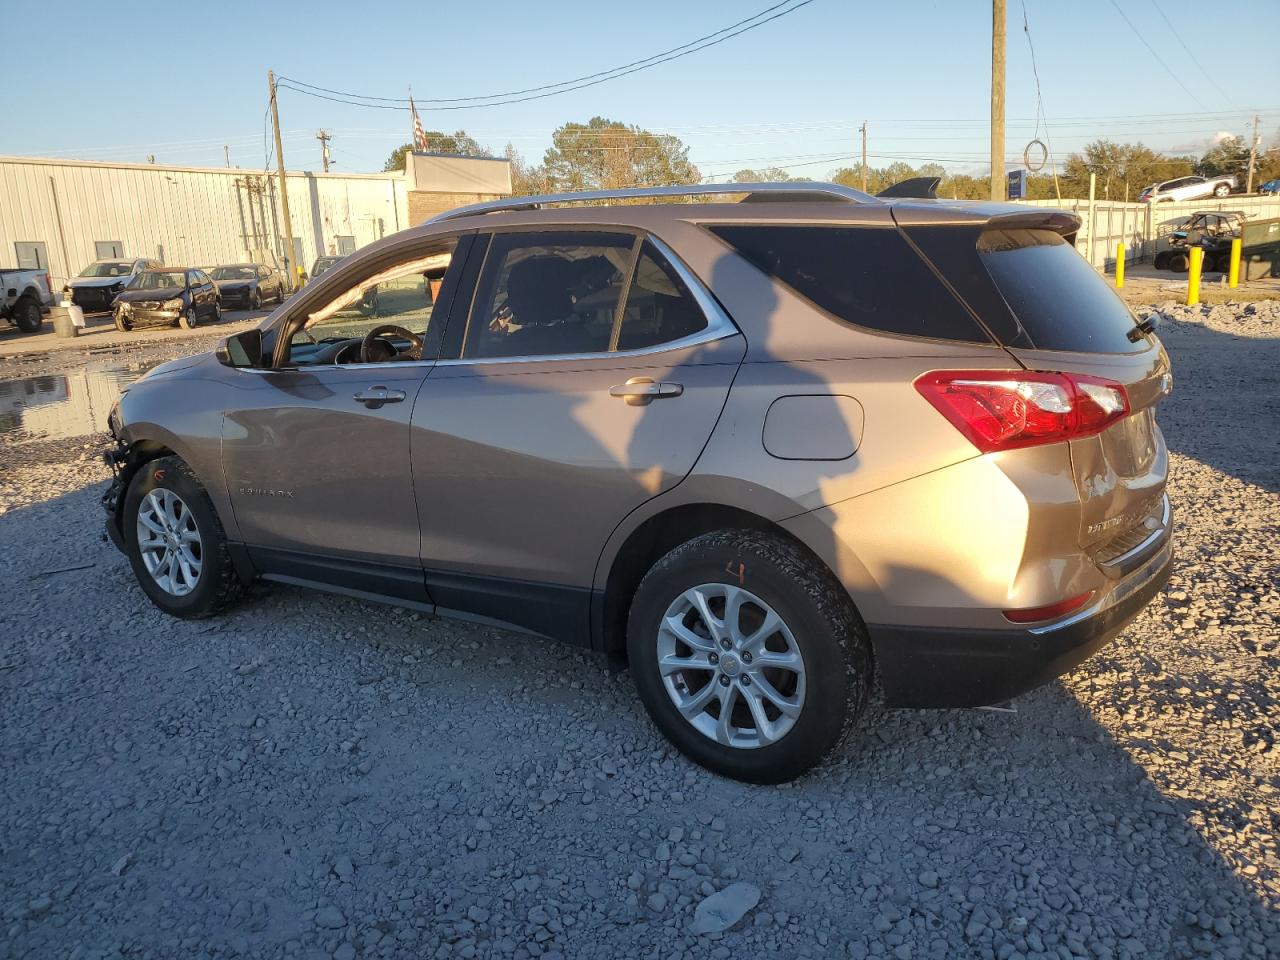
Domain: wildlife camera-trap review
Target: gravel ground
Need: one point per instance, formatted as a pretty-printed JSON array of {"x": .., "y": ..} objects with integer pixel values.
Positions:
[{"x": 314, "y": 776}]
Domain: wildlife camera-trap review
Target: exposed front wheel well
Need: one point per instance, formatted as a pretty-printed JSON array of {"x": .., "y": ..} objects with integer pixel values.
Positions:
[{"x": 653, "y": 540}]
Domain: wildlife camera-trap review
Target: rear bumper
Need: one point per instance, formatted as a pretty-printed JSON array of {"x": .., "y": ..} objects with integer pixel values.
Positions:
[{"x": 947, "y": 667}]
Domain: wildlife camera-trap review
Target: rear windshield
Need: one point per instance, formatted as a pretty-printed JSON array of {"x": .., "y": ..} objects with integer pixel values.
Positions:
[
  {"x": 1059, "y": 300},
  {"x": 863, "y": 275}
]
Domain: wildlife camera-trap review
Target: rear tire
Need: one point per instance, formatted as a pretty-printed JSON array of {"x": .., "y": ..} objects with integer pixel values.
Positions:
[
  {"x": 27, "y": 316},
  {"x": 1162, "y": 260},
  {"x": 819, "y": 634},
  {"x": 215, "y": 583},
  {"x": 1222, "y": 190},
  {"x": 1179, "y": 262}
]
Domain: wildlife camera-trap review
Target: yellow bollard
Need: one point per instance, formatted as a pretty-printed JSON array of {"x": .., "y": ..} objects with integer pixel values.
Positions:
[
  {"x": 1119, "y": 265},
  {"x": 1193, "y": 278},
  {"x": 1233, "y": 272}
]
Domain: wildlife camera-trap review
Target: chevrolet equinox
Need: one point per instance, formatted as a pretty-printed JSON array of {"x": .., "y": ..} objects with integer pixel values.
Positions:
[{"x": 770, "y": 447}]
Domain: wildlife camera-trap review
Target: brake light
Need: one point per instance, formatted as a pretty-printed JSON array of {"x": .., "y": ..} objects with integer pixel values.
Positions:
[
  {"x": 1050, "y": 612},
  {"x": 1008, "y": 409}
]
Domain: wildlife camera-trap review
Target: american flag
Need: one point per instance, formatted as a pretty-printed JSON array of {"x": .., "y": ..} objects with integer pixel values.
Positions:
[{"x": 419, "y": 135}]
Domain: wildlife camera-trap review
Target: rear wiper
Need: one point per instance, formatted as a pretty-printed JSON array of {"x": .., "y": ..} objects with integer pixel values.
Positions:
[{"x": 1143, "y": 328}]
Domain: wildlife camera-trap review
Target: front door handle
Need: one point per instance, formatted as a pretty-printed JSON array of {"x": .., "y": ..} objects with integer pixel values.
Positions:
[
  {"x": 639, "y": 391},
  {"x": 375, "y": 397}
]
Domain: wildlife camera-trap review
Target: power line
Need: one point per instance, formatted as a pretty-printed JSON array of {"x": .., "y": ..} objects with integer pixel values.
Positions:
[
  {"x": 552, "y": 90},
  {"x": 1157, "y": 57},
  {"x": 549, "y": 86},
  {"x": 1190, "y": 54}
]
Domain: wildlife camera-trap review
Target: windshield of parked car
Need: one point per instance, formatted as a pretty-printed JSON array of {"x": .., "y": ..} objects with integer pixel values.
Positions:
[
  {"x": 113, "y": 269},
  {"x": 160, "y": 280},
  {"x": 234, "y": 273}
]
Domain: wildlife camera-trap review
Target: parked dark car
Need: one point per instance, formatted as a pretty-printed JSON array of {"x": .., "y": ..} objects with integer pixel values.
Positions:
[
  {"x": 178, "y": 296},
  {"x": 322, "y": 264},
  {"x": 248, "y": 285}
]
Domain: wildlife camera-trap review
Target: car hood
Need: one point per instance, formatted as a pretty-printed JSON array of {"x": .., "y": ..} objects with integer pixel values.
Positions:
[
  {"x": 96, "y": 281},
  {"x": 163, "y": 293},
  {"x": 230, "y": 284},
  {"x": 173, "y": 366}
]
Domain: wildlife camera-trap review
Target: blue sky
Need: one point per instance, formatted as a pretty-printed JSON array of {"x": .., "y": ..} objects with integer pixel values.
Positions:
[{"x": 791, "y": 93}]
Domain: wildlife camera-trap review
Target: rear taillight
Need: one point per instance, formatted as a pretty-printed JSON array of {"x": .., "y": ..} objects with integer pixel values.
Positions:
[{"x": 1008, "y": 409}]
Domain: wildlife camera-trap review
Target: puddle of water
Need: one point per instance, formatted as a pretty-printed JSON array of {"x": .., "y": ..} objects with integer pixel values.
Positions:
[{"x": 65, "y": 404}]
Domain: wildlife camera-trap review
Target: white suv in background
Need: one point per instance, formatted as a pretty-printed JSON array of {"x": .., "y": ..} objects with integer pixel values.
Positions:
[{"x": 1188, "y": 188}]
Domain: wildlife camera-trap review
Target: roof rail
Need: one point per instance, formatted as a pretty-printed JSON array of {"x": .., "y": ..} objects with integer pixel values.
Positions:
[{"x": 793, "y": 190}]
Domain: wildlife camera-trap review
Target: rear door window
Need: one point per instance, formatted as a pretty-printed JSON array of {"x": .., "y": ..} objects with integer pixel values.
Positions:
[
  {"x": 660, "y": 308},
  {"x": 549, "y": 294},
  {"x": 1059, "y": 300},
  {"x": 866, "y": 276}
]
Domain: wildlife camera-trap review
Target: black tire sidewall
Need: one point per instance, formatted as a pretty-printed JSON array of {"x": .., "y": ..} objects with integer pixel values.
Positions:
[
  {"x": 825, "y": 715},
  {"x": 27, "y": 317},
  {"x": 172, "y": 474}
]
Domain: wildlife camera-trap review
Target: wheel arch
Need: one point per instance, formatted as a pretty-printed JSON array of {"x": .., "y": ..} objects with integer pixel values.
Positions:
[{"x": 652, "y": 538}]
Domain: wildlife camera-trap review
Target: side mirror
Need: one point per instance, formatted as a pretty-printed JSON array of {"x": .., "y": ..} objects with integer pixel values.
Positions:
[{"x": 241, "y": 349}]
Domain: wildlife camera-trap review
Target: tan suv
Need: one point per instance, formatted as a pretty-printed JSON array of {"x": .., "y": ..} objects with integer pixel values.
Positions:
[{"x": 767, "y": 447}]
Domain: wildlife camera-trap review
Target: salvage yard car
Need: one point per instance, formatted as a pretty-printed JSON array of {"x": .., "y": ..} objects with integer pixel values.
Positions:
[
  {"x": 1188, "y": 188},
  {"x": 24, "y": 297},
  {"x": 248, "y": 285},
  {"x": 765, "y": 452},
  {"x": 98, "y": 285},
  {"x": 175, "y": 296}
]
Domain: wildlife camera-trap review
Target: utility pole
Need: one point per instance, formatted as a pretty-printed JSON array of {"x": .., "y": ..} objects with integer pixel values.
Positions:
[
  {"x": 289, "y": 265},
  {"x": 998, "y": 20},
  {"x": 1253, "y": 154},
  {"x": 226, "y": 154},
  {"x": 324, "y": 137},
  {"x": 863, "y": 128}
]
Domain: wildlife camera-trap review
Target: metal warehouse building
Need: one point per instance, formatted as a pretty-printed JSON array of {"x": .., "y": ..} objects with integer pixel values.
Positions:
[{"x": 60, "y": 215}]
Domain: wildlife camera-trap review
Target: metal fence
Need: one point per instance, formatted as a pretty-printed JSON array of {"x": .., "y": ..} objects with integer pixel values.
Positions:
[{"x": 1142, "y": 227}]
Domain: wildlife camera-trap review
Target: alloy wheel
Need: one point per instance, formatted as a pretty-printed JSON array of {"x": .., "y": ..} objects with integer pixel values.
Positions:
[
  {"x": 169, "y": 542},
  {"x": 731, "y": 666}
]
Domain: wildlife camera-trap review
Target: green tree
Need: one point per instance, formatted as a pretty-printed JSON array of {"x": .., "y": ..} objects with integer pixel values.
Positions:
[
  {"x": 526, "y": 179},
  {"x": 457, "y": 143},
  {"x": 763, "y": 175},
  {"x": 1122, "y": 169},
  {"x": 606, "y": 155},
  {"x": 1228, "y": 155}
]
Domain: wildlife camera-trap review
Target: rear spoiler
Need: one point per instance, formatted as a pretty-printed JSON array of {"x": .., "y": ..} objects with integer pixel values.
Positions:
[
  {"x": 1059, "y": 221},
  {"x": 915, "y": 188}
]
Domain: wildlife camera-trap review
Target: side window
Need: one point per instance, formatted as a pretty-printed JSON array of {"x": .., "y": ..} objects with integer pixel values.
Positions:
[
  {"x": 404, "y": 295},
  {"x": 543, "y": 294},
  {"x": 868, "y": 276},
  {"x": 659, "y": 307}
]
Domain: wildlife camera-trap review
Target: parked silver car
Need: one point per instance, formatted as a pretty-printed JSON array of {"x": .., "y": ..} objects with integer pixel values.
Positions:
[
  {"x": 1188, "y": 188},
  {"x": 764, "y": 451}
]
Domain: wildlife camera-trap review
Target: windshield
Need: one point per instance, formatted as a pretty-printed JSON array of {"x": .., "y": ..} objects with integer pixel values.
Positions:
[
  {"x": 115, "y": 268},
  {"x": 234, "y": 273},
  {"x": 160, "y": 280}
]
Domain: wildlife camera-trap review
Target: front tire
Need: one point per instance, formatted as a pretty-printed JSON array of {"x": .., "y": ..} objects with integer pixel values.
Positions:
[
  {"x": 176, "y": 543},
  {"x": 747, "y": 622},
  {"x": 187, "y": 318},
  {"x": 122, "y": 324},
  {"x": 27, "y": 316},
  {"x": 1162, "y": 260},
  {"x": 1221, "y": 190},
  {"x": 255, "y": 300}
]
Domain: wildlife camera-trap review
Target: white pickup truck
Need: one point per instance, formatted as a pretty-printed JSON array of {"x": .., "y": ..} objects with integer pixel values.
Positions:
[
  {"x": 1188, "y": 188},
  {"x": 25, "y": 295}
]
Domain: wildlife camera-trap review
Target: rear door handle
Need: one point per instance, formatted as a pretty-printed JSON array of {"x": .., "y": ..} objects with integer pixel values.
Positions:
[
  {"x": 375, "y": 397},
  {"x": 639, "y": 391}
]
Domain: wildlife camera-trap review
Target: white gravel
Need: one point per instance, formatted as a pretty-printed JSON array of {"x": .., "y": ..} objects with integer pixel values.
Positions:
[{"x": 313, "y": 776}]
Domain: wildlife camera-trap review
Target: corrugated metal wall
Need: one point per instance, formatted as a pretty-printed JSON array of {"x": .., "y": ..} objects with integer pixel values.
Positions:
[
  {"x": 1142, "y": 227},
  {"x": 184, "y": 215}
]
